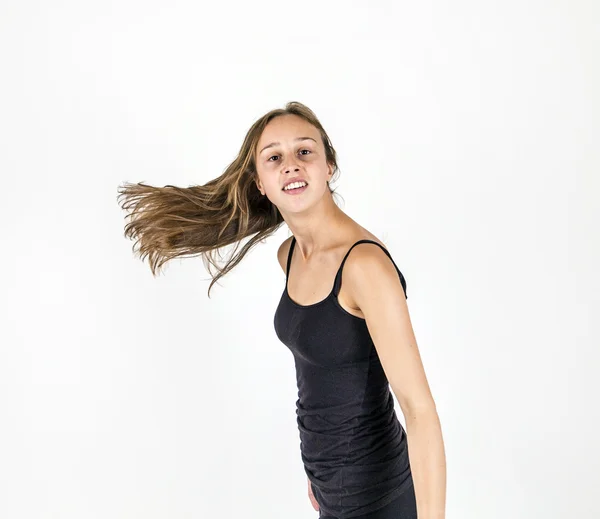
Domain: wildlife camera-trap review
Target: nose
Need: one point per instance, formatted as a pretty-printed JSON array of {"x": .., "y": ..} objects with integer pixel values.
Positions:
[{"x": 290, "y": 165}]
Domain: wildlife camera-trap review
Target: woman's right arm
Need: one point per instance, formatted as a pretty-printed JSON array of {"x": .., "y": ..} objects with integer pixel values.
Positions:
[
  {"x": 282, "y": 254},
  {"x": 311, "y": 496}
]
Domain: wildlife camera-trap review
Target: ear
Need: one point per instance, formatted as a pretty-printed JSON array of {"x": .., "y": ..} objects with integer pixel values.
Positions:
[{"x": 257, "y": 182}]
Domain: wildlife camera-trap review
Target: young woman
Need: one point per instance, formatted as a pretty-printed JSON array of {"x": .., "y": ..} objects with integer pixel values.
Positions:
[{"x": 343, "y": 314}]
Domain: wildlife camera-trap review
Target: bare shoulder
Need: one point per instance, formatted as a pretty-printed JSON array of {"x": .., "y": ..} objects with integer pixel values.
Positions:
[
  {"x": 369, "y": 266},
  {"x": 282, "y": 253},
  {"x": 366, "y": 235},
  {"x": 367, "y": 257}
]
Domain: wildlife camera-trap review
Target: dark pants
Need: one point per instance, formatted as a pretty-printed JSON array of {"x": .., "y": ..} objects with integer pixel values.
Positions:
[{"x": 403, "y": 507}]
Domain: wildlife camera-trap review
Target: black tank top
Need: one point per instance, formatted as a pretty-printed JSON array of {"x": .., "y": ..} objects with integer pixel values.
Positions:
[{"x": 353, "y": 447}]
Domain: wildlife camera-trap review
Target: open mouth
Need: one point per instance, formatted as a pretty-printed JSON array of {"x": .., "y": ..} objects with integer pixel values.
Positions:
[{"x": 295, "y": 190}]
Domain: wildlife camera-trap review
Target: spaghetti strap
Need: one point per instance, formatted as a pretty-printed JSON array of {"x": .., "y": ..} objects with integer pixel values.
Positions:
[
  {"x": 289, "y": 260},
  {"x": 338, "y": 277}
]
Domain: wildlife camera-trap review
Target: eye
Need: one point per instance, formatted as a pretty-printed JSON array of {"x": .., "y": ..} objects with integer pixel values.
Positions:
[{"x": 269, "y": 159}]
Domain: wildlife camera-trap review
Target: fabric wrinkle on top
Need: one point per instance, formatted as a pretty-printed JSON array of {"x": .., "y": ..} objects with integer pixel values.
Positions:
[{"x": 353, "y": 448}]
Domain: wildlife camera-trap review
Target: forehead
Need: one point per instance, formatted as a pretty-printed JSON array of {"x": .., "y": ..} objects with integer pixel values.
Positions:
[{"x": 287, "y": 127}]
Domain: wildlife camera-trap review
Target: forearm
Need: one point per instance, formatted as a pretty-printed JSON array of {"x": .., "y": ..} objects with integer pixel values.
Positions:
[{"x": 428, "y": 462}]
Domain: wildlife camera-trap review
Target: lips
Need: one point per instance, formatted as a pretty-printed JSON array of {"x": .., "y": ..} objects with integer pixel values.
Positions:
[{"x": 297, "y": 179}]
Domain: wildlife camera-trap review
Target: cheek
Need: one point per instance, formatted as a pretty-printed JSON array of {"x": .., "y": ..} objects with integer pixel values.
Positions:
[{"x": 270, "y": 183}]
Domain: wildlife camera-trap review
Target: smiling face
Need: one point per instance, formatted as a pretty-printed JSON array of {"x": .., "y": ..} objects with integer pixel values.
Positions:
[{"x": 291, "y": 148}]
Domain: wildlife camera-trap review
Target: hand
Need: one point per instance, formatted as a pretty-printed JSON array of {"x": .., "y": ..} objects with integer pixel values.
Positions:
[{"x": 311, "y": 496}]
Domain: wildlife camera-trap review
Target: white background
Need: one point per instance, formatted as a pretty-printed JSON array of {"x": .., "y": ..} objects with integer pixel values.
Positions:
[{"x": 468, "y": 136}]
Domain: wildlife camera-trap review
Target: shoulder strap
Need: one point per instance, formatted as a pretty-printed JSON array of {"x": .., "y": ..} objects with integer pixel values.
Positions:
[
  {"x": 338, "y": 277},
  {"x": 289, "y": 259}
]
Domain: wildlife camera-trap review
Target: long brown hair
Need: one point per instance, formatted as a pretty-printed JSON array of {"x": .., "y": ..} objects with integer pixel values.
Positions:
[{"x": 171, "y": 221}]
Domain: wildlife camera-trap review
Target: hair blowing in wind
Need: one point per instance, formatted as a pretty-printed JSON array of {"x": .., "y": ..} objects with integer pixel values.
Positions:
[{"x": 167, "y": 222}]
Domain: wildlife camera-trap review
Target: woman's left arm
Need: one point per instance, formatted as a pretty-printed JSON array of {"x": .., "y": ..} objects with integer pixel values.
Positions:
[{"x": 375, "y": 287}]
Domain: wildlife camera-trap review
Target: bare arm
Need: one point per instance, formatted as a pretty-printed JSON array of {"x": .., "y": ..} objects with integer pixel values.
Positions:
[
  {"x": 375, "y": 287},
  {"x": 282, "y": 254}
]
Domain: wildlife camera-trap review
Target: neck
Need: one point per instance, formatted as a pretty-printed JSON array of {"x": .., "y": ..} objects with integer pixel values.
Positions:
[{"x": 319, "y": 229}]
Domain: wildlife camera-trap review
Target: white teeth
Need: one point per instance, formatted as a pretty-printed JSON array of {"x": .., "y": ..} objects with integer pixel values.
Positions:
[{"x": 294, "y": 185}]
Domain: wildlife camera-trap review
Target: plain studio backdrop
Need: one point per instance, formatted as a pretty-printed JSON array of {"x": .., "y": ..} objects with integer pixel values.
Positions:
[{"x": 468, "y": 138}]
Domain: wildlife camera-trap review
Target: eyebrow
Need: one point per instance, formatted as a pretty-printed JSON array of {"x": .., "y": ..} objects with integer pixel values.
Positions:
[{"x": 278, "y": 143}]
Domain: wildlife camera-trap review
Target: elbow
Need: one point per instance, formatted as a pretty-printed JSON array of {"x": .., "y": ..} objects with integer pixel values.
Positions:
[{"x": 418, "y": 410}]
